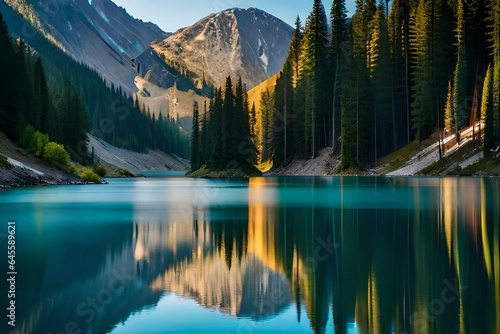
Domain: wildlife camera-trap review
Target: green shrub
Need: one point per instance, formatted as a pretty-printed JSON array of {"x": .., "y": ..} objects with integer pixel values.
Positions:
[
  {"x": 56, "y": 155},
  {"x": 124, "y": 173},
  {"x": 4, "y": 163},
  {"x": 27, "y": 136},
  {"x": 88, "y": 175},
  {"x": 34, "y": 141},
  {"x": 40, "y": 141},
  {"x": 100, "y": 170},
  {"x": 72, "y": 170}
]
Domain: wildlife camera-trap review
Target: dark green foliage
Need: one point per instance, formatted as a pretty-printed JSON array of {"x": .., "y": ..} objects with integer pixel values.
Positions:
[
  {"x": 487, "y": 113},
  {"x": 282, "y": 127},
  {"x": 100, "y": 170},
  {"x": 15, "y": 83},
  {"x": 349, "y": 122},
  {"x": 124, "y": 173},
  {"x": 88, "y": 175},
  {"x": 423, "y": 104},
  {"x": 4, "y": 163},
  {"x": 38, "y": 144},
  {"x": 391, "y": 77},
  {"x": 382, "y": 90},
  {"x": 313, "y": 80},
  {"x": 267, "y": 111},
  {"x": 205, "y": 142},
  {"x": 339, "y": 60},
  {"x": 34, "y": 141},
  {"x": 56, "y": 155},
  {"x": 494, "y": 20},
  {"x": 460, "y": 93},
  {"x": 196, "y": 154},
  {"x": 33, "y": 85},
  {"x": 227, "y": 129},
  {"x": 73, "y": 124},
  {"x": 27, "y": 136}
]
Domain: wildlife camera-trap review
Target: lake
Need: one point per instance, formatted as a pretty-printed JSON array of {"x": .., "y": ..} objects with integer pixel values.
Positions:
[{"x": 265, "y": 255}]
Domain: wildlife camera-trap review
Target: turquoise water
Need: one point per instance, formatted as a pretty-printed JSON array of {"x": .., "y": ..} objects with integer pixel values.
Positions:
[{"x": 265, "y": 255}]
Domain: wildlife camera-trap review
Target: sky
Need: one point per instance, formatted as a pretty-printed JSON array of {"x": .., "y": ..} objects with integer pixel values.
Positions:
[{"x": 171, "y": 15}]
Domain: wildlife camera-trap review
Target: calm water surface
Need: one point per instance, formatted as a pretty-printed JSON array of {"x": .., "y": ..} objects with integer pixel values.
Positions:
[{"x": 265, "y": 255}]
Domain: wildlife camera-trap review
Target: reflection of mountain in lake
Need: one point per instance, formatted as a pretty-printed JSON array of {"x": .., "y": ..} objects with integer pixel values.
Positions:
[
  {"x": 427, "y": 266},
  {"x": 247, "y": 289}
]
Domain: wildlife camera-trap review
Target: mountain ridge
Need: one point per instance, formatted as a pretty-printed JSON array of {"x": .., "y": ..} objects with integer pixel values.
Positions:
[
  {"x": 97, "y": 33},
  {"x": 249, "y": 43}
]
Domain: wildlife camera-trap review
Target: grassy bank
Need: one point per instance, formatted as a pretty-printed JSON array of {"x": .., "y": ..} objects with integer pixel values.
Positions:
[{"x": 232, "y": 173}]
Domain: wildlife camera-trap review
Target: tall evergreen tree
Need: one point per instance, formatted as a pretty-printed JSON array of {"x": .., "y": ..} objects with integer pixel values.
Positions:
[
  {"x": 196, "y": 157},
  {"x": 294, "y": 51},
  {"x": 460, "y": 84},
  {"x": 494, "y": 10},
  {"x": 45, "y": 119},
  {"x": 339, "y": 59},
  {"x": 10, "y": 123},
  {"x": 313, "y": 78},
  {"x": 267, "y": 111},
  {"x": 450, "y": 115},
  {"x": 487, "y": 113},
  {"x": 422, "y": 106},
  {"x": 381, "y": 72},
  {"x": 73, "y": 123},
  {"x": 399, "y": 34},
  {"x": 229, "y": 119},
  {"x": 460, "y": 90}
]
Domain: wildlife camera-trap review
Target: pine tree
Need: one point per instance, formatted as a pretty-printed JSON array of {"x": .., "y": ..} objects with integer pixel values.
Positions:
[
  {"x": 195, "y": 140},
  {"x": 45, "y": 118},
  {"x": 253, "y": 123},
  {"x": 216, "y": 133},
  {"x": 450, "y": 116},
  {"x": 9, "y": 120},
  {"x": 73, "y": 123},
  {"x": 381, "y": 71},
  {"x": 350, "y": 104},
  {"x": 205, "y": 144},
  {"x": 460, "y": 84},
  {"x": 487, "y": 112},
  {"x": 229, "y": 119},
  {"x": 460, "y": 90},
  {"x": 245, "y": 148},
  {"x": 358, "y": 87},
  {"x": 294, "y": 51},
  {"x": 399, "y": 35},
  {"x": 267, "y": 108},
  {"x": 494, "y": 10},
  {"x": 423, "y": 105},
  {"x": 339, "y": 60},
  {"x": 313, "y": 63}
]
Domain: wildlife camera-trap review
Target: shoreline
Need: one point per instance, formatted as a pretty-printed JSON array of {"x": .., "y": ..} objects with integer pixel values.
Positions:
[{"x": 18, "y": 177}]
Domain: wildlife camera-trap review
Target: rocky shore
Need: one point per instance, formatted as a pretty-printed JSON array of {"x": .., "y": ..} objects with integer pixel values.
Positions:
[{"x": 22, "y": 177}]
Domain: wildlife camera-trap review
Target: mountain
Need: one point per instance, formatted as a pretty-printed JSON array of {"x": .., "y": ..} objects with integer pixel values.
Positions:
[
  {"x": 240, "y": 42},
  {"x": 97, "y": 33}
]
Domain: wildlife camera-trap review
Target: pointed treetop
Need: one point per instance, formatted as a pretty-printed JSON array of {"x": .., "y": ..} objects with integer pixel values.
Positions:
[{"x": 298, "y": 24}]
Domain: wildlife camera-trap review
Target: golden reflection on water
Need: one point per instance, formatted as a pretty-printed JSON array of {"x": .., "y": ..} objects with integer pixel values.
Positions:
[{"x": 430, "y": 267}]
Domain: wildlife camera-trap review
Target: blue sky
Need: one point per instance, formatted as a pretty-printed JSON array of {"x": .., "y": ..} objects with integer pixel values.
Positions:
[{"x": 171, "y": 15}]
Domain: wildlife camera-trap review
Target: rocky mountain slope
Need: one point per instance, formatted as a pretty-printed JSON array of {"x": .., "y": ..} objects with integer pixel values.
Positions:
[
  {"x": 240, "y": 42},
  {"x": 95, "y": 32},
  {"x": 133, "y": 161}
]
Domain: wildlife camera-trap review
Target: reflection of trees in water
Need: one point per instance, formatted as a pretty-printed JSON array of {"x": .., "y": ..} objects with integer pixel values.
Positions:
[
  {"x": 391, "y": 267},
  {"x": 386, "y": 267}
]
